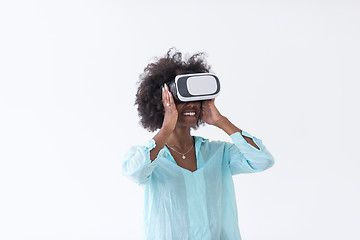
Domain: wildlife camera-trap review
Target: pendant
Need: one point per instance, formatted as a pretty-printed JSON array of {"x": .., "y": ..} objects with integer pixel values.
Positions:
[{"x": 183, "y": 157}]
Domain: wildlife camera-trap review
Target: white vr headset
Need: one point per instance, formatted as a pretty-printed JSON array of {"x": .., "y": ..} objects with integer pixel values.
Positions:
[{"x": 194, "y": 87}]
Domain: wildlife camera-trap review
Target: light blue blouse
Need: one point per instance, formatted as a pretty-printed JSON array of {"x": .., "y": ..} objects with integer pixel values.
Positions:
[{"x": 200, "y": 205}]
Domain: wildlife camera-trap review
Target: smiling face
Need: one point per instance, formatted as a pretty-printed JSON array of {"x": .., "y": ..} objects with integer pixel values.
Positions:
[{"x": 188, "y": 114}]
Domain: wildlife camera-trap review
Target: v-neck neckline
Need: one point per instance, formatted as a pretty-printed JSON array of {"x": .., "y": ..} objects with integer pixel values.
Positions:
[{"x": 198, "y": 141}]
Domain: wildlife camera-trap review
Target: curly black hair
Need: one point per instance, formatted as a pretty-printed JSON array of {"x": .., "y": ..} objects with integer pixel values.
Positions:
[{"x": 164, "y": 70}]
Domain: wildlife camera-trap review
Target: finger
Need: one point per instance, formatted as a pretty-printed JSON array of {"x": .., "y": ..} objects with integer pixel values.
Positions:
[
  {"x": 167, "y": 98},
  {"x": 167, "y": 95},
  {"x": 171, "y": 99},
  {"x": 163, "y": 96}
]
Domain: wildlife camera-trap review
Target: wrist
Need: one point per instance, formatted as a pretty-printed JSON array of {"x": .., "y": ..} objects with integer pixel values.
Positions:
[
  {"x": 225, "y": 124},
  {"x": 166, "y": 130},
  {"x": 221, "y": 121}
]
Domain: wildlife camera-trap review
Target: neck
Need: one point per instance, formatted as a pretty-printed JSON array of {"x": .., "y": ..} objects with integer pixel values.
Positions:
[{"x": 180, "y": 138}]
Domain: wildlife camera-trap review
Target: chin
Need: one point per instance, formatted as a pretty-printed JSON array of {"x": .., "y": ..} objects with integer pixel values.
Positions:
[{"x": 188, "y": 123}]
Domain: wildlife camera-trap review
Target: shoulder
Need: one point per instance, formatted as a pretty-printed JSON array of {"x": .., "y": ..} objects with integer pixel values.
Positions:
[
  {"x": 205, "y": 142},
  {"x": 145, "y": 147}
]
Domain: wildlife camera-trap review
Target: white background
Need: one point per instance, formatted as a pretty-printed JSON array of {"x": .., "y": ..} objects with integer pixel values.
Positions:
[{"x": 68, "y": 81}]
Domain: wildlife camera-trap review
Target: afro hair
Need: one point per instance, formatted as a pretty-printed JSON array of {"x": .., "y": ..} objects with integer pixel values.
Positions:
[{"x": 163, "y": 70}]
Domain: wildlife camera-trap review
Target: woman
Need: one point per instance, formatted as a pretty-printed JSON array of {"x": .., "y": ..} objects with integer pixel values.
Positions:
[{"x": 189, "y": 191}]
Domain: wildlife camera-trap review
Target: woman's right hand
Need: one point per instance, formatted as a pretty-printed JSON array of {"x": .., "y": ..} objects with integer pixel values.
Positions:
[
  {"x": 170, "y": 111},
  {"x": 168, "y": 125}
]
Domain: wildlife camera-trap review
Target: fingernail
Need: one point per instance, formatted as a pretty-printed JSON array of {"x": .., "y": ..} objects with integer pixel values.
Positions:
[{"x": 162, "y": 88}]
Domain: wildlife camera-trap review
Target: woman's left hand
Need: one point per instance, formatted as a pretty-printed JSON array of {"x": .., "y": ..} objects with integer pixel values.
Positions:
[{"x": 209, "y": 113}]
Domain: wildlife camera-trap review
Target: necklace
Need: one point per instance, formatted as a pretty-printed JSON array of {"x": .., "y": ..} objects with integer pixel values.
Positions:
[{"x": 183, "y": 154}]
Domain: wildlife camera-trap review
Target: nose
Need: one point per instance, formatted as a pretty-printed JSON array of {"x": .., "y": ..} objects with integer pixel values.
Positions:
[
  {"x": 190, "y": 104},
  {"x": 196, "y": 104}
]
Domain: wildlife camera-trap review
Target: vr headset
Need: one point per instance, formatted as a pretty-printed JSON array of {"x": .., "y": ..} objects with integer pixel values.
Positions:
[{"x": 194, "y": 87}]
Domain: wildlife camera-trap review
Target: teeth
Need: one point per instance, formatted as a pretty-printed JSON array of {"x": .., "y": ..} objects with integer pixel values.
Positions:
[{"x": 189, "y": 113}]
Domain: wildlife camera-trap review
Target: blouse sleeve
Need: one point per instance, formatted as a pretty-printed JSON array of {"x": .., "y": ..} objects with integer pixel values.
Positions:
[
  {"x": 242, "y": 157},
  {"x": 137, "y": 164}
]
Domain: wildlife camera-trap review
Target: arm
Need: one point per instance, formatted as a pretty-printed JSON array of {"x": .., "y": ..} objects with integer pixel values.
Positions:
[
  {"x": 212, "y": 116},
  {"x": 247, "y": 153},
  {"x": 137, "y": 164},
  {"x": 242, "y": 157},
  {"x": 140, "y": 161},
  {"x": 230, "y": 129},
  {"x": 169, "y": 122}
]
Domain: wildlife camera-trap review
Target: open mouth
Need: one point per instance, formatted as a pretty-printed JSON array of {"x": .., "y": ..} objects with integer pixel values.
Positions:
[{"x": 189, "y": 113}]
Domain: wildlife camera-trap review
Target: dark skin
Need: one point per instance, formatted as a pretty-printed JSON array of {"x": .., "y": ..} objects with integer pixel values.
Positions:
[{"x": 178, "y": 120}]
